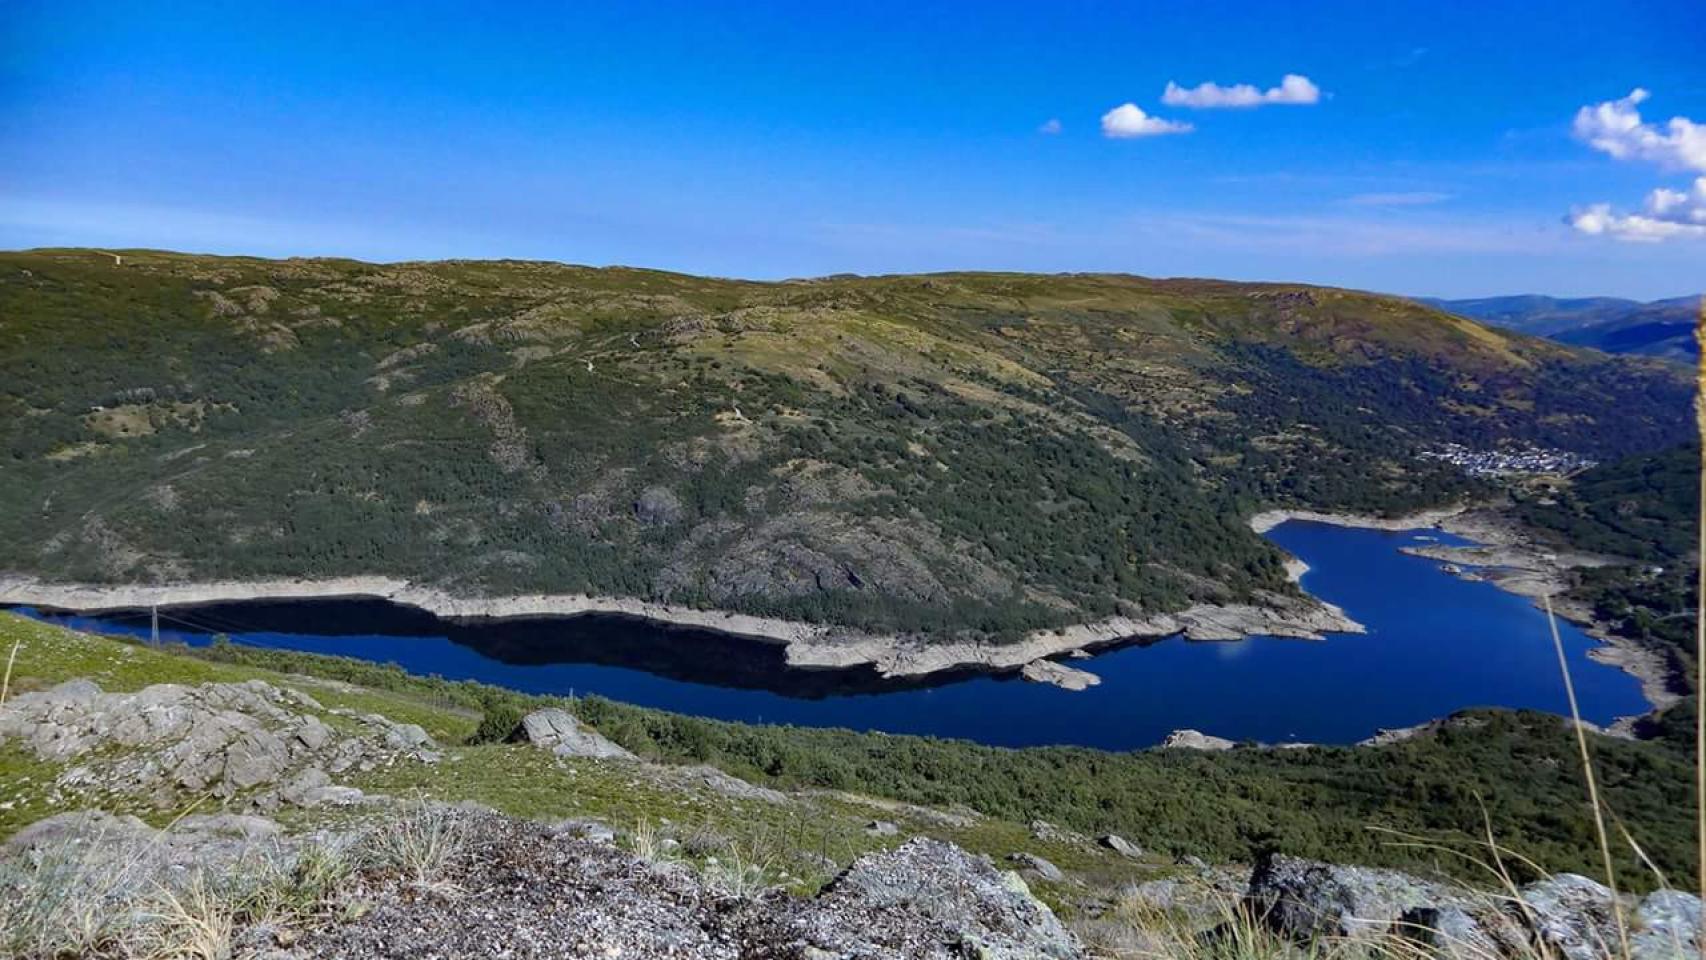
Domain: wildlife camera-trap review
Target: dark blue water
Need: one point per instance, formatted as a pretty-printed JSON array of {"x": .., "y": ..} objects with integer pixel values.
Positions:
[{"x": 1435, "y": 644}]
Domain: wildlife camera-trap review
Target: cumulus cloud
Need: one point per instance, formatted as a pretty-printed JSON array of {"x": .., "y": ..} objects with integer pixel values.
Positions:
[
  {"x": 1294, "y": 89},
  {"x": 1616, "y": 127},
  {"x": 1128, "y": 120},
  {"x": 1667, "y": 215},
  {"x": 1051, "y": 126}
]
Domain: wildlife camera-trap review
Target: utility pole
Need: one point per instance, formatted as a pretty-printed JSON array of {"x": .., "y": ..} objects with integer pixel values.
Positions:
[{"x": 154, "y": 625}]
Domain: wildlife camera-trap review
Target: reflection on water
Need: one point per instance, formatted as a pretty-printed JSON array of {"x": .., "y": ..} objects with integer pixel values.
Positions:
[{"x": 1436, "y": 644}]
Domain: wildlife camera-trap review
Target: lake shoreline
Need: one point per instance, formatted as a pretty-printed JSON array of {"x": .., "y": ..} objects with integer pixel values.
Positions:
[
  {"x": 1501, "y": 556},
  {"x": 807, "y": 646},
  {"x": 1505, "y": 556}
]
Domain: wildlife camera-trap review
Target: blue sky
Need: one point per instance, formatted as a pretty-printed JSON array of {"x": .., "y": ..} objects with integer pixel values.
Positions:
[{"x": 1442, "y": 155}]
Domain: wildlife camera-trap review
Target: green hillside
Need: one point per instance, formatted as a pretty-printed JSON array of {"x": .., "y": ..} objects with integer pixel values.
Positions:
[
  {"x": 1642, "y": 509},
  {"x": 985, "y": 452}
]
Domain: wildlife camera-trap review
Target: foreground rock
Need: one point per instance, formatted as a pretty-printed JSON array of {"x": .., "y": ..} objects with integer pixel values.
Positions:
[
  {"x": 1568, "y": 916},
  {"x": 497, "y": 887},
  {"x": 264, "y": 743},
  {"x": 1305, "y": 900},
  {"x": 523, "y": 892}
]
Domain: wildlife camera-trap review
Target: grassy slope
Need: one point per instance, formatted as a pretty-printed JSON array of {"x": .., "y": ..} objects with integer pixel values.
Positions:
[
  {"x": 787, "y": 840},
  {"x": 958, "y": 452},
  {"x": 1518, "y": 770}
]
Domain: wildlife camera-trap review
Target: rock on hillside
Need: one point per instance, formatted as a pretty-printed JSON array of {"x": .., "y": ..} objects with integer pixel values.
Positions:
[
  {"x": 527, "y": 892},
  {"x": 558, "y": 731},
  {"x": 1571, "y": 916},
  {"x": 267, "y": 744}
]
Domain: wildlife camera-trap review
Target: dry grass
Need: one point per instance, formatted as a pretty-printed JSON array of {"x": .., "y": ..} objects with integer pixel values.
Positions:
[
  {"x": 651, "y": 845},
  {"x": 737, "y": 874},
  {"x": 417, "y": 845},
  {"x": 11, "y": 660},
  {"x": 110, "y": 895}
]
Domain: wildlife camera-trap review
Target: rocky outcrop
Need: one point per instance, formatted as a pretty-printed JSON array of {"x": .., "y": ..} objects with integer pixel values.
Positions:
[
  {"x": 1032, "y": 863},
  {"x": 1046, "y": 832},
  {"x": 530, "y": 891},
  {"x": 264, "y": 743},
  {"x": 895, "y": 657},
  {"x": 1121, "y": 846},
  {"x": 1269, "y": 519},
  {"x": 501, "y": 887},
  {"x": 1059, "y": 674},
  {"x": 1304, "y": 899},
  {"x": 558, "y": 731},
  {"x": 707, "y": 777},
  {"x": 1568, "y": 915},
  {"x": 1194, "y": 740}
]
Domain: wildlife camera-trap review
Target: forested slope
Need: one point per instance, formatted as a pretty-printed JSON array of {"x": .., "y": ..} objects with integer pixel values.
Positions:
[{"x": 970, "y": 452}]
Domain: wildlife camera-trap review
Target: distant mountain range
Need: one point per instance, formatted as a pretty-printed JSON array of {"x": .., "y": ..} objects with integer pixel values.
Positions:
[{"x": 1662, "y": 328}]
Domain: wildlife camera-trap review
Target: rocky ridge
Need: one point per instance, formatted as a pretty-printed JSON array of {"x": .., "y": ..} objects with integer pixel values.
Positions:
[{"x": 264, "y": 744}]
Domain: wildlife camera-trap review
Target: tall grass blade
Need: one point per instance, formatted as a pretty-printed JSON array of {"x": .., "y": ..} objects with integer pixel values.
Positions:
[
  {"x": 1592, "y": 781},
  {"x": 6, "y": 682},
  {"x": 1700, "y": 614}
]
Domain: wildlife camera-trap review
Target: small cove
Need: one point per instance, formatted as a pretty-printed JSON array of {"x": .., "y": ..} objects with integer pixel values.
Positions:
[{"x": 1436, "y": 644}]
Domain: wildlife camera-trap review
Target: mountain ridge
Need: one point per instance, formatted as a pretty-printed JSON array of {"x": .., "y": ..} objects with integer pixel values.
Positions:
[
  {"x": 1657, "y": 328},
  {"x": 944, "y": 455}
]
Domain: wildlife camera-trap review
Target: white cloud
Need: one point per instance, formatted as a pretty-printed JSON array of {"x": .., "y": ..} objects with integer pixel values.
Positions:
[
  {"x": 1667, "y": 215},
  {"x": 1293, "y": 89},
  {"x": 1128, "y": 120},
  {"x": 1414, "y": 198},
  {"x": 1615, "y": 127},
  {"x": 1051, "y": 126}
]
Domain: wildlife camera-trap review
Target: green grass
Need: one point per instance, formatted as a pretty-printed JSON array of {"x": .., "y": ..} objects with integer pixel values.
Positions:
[
  {"x": 797, "y": 840},
  {"x": 48, "y": 655},
  {"x": 1518, "y": 771}
]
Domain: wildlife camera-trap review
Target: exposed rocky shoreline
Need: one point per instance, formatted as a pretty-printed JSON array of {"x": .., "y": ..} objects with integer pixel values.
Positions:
[
  {"x": 1269, "y": 519},
  {"x": 1502, "y": 555},
  {"x": 808, "y": 646}
]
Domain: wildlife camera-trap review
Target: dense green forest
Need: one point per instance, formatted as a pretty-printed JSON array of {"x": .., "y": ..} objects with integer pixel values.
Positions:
[
  {"x": 1516, "y": 773},
  {"x": 956, "y": 453}
]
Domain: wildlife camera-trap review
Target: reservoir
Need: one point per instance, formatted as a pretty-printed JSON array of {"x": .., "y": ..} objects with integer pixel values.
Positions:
[{"x": 1436, "y": 644}]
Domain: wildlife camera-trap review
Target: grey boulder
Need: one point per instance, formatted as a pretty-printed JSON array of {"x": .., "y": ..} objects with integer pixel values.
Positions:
[{"x": 558, "y": 731}]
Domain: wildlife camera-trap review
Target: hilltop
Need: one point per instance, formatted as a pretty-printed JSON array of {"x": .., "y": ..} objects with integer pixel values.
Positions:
[{"x": 952, "y": 455}]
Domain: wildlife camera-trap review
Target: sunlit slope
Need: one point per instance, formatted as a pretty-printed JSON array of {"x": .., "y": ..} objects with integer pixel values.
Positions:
[{"x": 984, "y": 452}]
